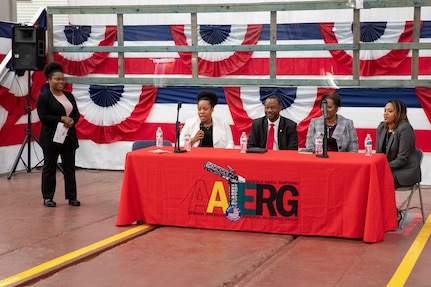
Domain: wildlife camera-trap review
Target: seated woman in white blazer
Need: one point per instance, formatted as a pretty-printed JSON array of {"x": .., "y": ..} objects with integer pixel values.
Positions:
[{"x": 206, "y": 130}]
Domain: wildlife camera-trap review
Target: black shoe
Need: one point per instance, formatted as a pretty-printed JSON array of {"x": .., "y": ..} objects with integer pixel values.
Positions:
[
  {"x": 74, "y": 202},
  {"x": 49, "y": 203}
]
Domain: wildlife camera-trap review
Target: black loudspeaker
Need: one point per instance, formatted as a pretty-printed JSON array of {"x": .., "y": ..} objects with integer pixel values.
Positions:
[{"x": 28, "y": 48}]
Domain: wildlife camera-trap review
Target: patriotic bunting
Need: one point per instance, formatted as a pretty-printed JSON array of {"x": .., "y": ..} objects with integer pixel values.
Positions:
[
  {"x": 121, "y": 113},
  {"x": 373, "y": 62},
  {"x": 215, "y": 64}
]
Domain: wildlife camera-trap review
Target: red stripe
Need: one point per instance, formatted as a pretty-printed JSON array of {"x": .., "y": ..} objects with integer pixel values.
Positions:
[
  {"x": 12, "y": 134},
  {"x": 260, "y": 67},
  {"x": 424, "y": 97},
  {"x": 239, "y": 115}
]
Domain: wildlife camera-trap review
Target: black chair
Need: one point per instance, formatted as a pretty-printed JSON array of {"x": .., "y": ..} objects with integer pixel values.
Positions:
[
  {"x": 147, "y": 143},
  {"x": 412, "y": 189}
]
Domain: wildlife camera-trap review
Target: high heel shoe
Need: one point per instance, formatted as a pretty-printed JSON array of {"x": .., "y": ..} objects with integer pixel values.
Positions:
[
  {"x": 49, "y": 203},
  {"x": 74, "y": 202}
]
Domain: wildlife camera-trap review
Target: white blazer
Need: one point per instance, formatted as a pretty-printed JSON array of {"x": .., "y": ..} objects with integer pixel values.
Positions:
[{"x": 222, "y": 134}]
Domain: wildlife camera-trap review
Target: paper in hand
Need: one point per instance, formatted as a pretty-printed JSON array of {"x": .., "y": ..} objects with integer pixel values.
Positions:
[{"x": 60, "y": 133}]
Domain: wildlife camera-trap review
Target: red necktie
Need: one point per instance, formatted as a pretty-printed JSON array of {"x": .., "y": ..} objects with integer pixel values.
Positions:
[{"x": 270, "y": 141}]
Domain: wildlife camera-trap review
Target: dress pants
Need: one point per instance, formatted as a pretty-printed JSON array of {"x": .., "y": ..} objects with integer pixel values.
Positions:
[{"x": 67, "y": 153}]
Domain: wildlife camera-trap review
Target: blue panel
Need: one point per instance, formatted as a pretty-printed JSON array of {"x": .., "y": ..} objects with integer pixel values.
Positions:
[
  {"x": 297, "y": 31},
  {"x": 351, "y": 97},
  {"x": 148, "y": 33},
  {"x": 187, "y": 95}
]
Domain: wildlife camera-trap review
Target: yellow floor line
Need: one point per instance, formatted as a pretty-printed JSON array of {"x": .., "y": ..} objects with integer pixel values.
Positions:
[
  {"x": 70, "y": 256},
  {"x": 406, "y": 266}
]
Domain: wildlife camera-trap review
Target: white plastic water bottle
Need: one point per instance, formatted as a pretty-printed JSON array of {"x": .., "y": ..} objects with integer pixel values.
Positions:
[
  {"x": 187, "y": 142},
  {"x": 159, "y": 137},
  {"x": 368, "y": 145},
  {"x": 243, "y": 143},
  {"x": 319, "y": 144}
]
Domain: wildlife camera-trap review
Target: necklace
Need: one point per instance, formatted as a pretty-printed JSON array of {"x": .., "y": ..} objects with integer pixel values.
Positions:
[{"x": 331, "y": 124}]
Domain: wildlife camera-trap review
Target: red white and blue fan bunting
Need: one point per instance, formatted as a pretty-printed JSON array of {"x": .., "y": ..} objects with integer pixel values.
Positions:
[
  {"x": 112, "y": 113},
  {"x": 80, "y": 64},
  {"x": 299, "y": 104},
  {"x": 216, "y": 64},
  {"x": 373, "y": 62},
  {"x": 14, "y": 102}
]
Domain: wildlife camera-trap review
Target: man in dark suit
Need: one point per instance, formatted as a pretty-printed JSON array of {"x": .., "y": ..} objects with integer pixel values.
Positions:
[{"x": 284, "y": 135}]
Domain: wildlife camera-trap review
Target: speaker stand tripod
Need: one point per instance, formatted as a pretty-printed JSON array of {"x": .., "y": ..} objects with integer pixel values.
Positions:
[{"x": 29, "y": 135}]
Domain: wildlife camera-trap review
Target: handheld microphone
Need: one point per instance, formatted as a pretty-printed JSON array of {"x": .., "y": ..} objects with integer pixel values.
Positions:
[
  {"x": 201, "y": 127},
  {"x": 179, "y": 105},
  {"x": 325, "y": 108}
]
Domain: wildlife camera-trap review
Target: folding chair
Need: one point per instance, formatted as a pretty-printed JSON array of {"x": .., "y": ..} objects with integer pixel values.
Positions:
[
  {"x": 415, "y": 187},
  {"x": 146, "y": 143}
]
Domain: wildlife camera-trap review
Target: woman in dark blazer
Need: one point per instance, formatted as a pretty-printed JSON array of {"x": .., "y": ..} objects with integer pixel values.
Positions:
[
  {"x": 56, "y": 106},
  {"x": 396, "y": 138}
]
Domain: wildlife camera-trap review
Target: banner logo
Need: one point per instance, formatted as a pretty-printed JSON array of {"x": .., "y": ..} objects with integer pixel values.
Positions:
[{"x": 254, "y": 198}]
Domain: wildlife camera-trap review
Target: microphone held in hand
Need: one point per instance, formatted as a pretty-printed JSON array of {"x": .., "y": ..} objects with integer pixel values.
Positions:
[{"x": 201, "y": 127}]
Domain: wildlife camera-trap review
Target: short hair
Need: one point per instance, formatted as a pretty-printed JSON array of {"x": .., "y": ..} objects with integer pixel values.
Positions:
[
  {"x": 51, "y": 68},
  {"x": 334, "y": 97},
  {"x": 208, "y": 96},
  {"x": 400, "y": 111},
  {"x": 273, "y": 97}
]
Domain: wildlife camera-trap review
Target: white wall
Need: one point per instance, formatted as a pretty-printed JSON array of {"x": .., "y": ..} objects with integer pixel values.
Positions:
[
  {"x": 26, "y": 9},
  {"x": 394, "y": 14},
  {"x": 8, "y": 11}
]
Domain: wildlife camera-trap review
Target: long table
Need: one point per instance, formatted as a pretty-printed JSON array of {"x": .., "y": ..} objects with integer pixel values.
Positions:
[{"x": 345, "y": 195}]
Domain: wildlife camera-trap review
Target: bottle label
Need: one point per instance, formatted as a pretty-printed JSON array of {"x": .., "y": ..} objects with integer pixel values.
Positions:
[{"x": 243, "y": 143}]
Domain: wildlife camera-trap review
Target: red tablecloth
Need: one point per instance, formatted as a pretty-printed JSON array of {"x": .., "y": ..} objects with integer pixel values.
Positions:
[{"x": 346, "y": 195}]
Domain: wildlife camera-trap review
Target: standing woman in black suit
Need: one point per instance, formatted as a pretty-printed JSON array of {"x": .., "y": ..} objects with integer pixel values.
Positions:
[{"x": 57, "y": 106}]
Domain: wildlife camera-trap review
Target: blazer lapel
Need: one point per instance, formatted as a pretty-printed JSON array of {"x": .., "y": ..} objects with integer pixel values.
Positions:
[
  {"x": 338, "y": 132},
  {"x": 380, "y": 139},
  {"x": 265, "y": 128},
  {"x": 390, "y": 141}
]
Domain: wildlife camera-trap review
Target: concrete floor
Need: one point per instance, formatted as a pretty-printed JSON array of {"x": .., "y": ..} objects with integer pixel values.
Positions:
[{"x": 81, "y": 246}]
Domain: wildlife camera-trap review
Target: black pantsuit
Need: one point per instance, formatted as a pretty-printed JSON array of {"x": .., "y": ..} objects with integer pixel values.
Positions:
[
  {"x": 67, "y": 155},
  {"x": 50, "y": 111}
]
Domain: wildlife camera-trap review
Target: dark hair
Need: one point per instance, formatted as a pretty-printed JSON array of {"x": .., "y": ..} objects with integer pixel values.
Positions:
[
  {"x": 334, "y": 97},
  {"x": 400, "y": 111},
  {"x": 51, "y": 68},
  {"x": 274, "y": 97},
  {"x": 208, "y": 96}
]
